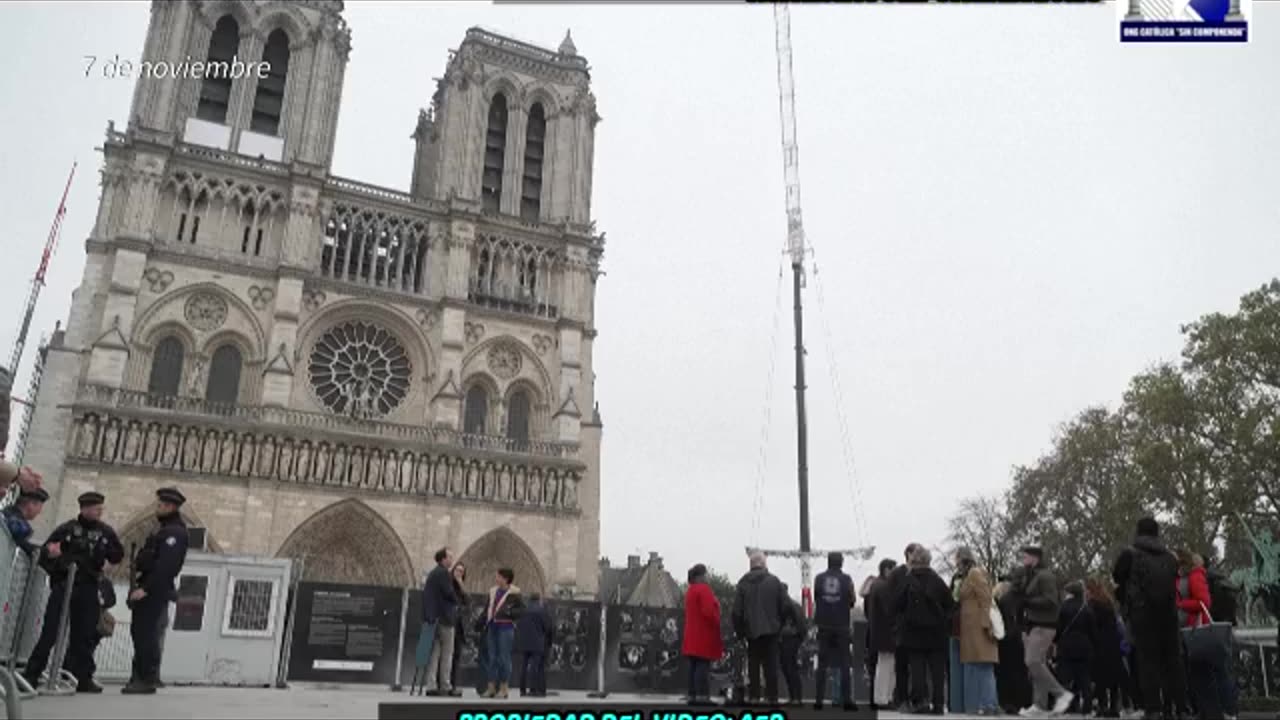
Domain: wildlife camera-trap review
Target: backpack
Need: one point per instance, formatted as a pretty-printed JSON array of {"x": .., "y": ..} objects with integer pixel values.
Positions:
[
  {"x": 1223, "y": 595},
  {"x": 922, "y": 610},
  {"x": 1153, "y": 582}
]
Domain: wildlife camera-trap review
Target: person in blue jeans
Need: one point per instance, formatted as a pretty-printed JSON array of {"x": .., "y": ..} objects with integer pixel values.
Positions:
[{"x": 504, "y": 608}]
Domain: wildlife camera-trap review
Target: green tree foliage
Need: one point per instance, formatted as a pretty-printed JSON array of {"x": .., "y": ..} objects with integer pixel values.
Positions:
[{"x": 1195, "y": 444}]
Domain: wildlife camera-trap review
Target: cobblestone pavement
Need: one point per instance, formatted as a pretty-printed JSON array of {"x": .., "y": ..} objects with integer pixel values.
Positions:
[{"x": 312, "y": 702}]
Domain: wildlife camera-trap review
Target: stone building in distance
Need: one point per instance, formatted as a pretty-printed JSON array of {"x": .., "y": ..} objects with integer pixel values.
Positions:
[{"x": 333, "y": 371}]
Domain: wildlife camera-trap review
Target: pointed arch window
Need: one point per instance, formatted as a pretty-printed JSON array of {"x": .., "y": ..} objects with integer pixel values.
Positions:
[
  {"x": 535, "y": 135},
  {"x": 223, "y": 387},
  {"x": 215, "y": 88},
  {"x": 475, "y": 411},
  {"x": 268, "y": 101},
  {"x": 495, "y": 149},
  {"x": 519, "y": 410},
  {"x": 166, "y": 368}
]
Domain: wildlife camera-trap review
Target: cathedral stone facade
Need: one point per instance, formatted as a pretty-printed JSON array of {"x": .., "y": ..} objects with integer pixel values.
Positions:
[{"x": 340, "y": 373}]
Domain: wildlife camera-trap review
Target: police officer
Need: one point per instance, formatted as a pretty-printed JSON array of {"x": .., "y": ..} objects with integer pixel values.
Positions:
[
  {"x": 87, "y": 543},
  {"x": 19, "y": 516},
  {"x": 151, "y": 589}
]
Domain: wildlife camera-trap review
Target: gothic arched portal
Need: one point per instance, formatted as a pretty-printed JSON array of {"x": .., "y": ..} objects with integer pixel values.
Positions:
[
  {"x": 501, "y": 548},
  {"x": 348, "y": 542}
]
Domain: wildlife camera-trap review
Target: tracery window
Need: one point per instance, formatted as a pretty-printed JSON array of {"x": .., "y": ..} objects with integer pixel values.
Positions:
[
  {"x": 535, "y": 135},
  {"x": 215, "y": 88},
  {"x": 518, "y": 412},
  {"x": 476, "y": 410},
  {"x": 360, "y": 369},
  {"x": 495, "y": 149},
  {"x": 223, "y": 387},
  {"x": 166, "y": 367},
  {"x": 268, "y": 100}
]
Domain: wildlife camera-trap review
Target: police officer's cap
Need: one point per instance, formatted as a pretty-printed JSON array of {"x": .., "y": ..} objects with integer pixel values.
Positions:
[
  {"x": 92, "y": 498},
  {"x": 38, "y": 495},
  {"x": 171, "y": 495}
]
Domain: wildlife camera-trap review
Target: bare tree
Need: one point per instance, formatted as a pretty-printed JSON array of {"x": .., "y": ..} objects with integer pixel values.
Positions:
[{"x": 981, "y": 524}]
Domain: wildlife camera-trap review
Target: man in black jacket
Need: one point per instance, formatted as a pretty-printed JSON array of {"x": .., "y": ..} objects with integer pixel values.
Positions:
[
  {"x": 88, "y": 544},
  {"x": 439, "y": 608},
  {"x": 758, "y": 608},
  {"x": 901, "y": 658},
  {"x": 832, "y": 602},
  {"x": 533, "y": 640},
  {"x": 1146, "y": 577}
]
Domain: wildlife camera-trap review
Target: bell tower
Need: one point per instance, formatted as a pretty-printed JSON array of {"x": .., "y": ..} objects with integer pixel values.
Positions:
[
  {"x": 511, "y": 128},
  {"x": 261, "y": 78}
]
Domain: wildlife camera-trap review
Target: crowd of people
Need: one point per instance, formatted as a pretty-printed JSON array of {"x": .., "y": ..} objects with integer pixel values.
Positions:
[
  {"x": 509, "y": 627},
  {"x": 1152, "y": 638},
  {"x": 76, "y": 557}
]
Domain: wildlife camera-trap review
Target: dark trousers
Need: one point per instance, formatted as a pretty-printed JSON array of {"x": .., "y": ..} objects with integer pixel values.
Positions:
[
  {"x": 459, "y": 639},
  {"x": 901, "y": 674},
  {"x": 1075, "y": 676},
  {"x": 873, "y": 661},
  {"x": 533, "y": 672},
  {"x": 833, "y": 650},
  {"x": 699, "y": 678},
  {"x": 928, "y": 678},
  {"x": 145, "y": 630},
  {"x": 762, "y": 659},
  {"x": 1160, "y": 672},
  {"x": 790, "y": 645},
  {"x": 83, "y": 620}
]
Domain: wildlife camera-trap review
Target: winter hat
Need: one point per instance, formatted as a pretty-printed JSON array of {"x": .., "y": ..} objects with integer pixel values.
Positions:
[
  {"x": 1075, "y": 588},
  {"x": 835, "y": 560},
  {"x": 965, "y": 555},
  {"x": 1148, "y": 527}
]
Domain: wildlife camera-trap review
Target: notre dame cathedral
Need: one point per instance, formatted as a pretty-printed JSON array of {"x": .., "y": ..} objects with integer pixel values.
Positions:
[{"x": 333, "y": 371}]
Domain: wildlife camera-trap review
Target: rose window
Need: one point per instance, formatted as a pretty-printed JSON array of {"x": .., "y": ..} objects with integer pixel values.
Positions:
[{"x": 360, "y": 370}]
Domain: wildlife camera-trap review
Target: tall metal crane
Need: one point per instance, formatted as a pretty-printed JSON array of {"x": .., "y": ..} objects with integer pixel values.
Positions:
[
  {"x": 798, "y": 250},
  {"x": 37, "y": 283}
]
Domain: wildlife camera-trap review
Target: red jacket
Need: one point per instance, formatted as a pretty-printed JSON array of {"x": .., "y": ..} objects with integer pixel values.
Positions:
[
  {"x": 702, "y": 623},
  {"x": 1195, "y": 603}
]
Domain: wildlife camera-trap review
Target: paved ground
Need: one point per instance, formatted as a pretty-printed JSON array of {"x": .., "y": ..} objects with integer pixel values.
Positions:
[{"x": 304, "y": 702}]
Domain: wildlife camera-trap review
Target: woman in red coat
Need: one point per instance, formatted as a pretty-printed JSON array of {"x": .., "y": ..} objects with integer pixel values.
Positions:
[{"x": 702, "y": 644}]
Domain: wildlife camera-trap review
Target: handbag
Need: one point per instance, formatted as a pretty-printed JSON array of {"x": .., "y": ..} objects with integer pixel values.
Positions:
[
  {"x": 106, "y": 623},
  {"x": 997, "y": 622},
  {"x": 1207, "y": 642}
]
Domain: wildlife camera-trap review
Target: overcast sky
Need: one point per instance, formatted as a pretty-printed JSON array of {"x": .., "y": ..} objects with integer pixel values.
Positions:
[{"x": 1011, "y": 212}]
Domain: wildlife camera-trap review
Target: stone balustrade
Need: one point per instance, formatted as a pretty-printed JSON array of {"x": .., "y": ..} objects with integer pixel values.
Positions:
[{"x": 178, "y": 444}]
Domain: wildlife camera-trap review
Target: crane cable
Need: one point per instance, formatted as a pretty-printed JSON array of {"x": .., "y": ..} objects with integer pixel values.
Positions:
[
  {"x": 762, "y": 459},
  {"x": 854, "y": 487}
]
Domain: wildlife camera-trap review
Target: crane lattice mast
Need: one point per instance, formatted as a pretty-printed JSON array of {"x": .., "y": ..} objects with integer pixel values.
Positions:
[
  {"x": 37, "y": 282},
  {"x": 798, "y": 250}
]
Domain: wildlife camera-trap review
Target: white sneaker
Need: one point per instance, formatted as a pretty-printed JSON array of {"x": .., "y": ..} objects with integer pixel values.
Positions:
[
  {"x": 1063, "y": 702},
  {"x": 1031, "y": 711}
]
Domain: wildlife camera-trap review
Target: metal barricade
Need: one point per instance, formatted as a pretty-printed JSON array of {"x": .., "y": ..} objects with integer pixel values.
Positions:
[
  {"x": 58, "y": 681},
  {"x": 14, "y": 569}
]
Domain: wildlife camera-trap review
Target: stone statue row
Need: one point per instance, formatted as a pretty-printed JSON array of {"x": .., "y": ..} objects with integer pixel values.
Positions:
[{"x": 104, "y": 438}]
